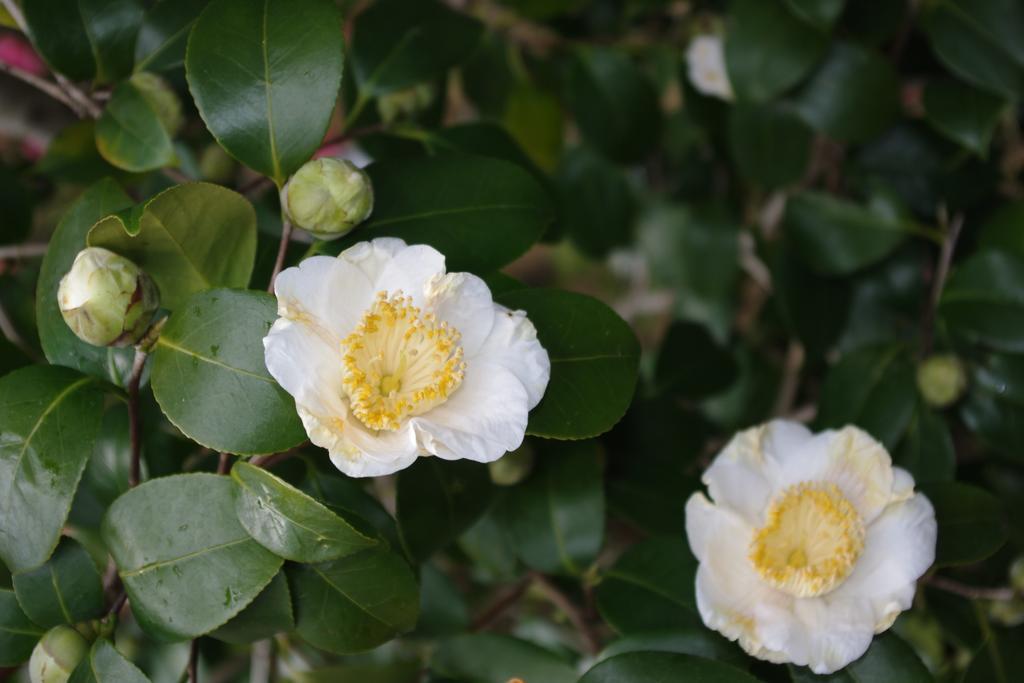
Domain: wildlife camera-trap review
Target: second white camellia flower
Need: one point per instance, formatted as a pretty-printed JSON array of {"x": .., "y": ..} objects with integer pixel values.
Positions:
[
  {"x": 813, "y": 544},
  {"x": 390, "y": 358},
  {"x": 705, "y": 63}
]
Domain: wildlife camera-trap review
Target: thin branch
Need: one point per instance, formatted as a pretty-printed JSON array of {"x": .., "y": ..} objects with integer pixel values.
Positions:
[
  {"x": 224, "y": 464},
  {"x": 134, "y": 419},
  {"x": 790, "y": 384},
  {"x": 268, "y": 461},
  {"x": 118, "y": 604},
  {"x": 72, "y": 90},
  {"x": 971, "y": 592},
  {"x": 261, "y": 669},
  {"x": 952, "y": 233},
  {"x": 193, "y": 662},
  {"x": 559, "y": 600},
  {"x": 15, "y": 11},
  {"x": 498, "y": 607},
  {"x": 16, "y": 251},
  {"x": 282, "y": 251},
  {"x": 48, "y": 87}
]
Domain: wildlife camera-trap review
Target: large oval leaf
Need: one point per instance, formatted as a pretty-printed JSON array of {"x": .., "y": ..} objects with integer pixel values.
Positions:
[
  {"x": 163, "y": 35},
  {"x": 188, "y": 238},
  {"x": 289, "y": 523},
  {"x": 485, "y": 657},
  {"x": 972, "y": 524},
  {"x": 187, "y": 564},
  {"x": 265, "y": 75},
  {"x": 984, "y": 300},
  {"x": 18, "y": 635},
  {"x": 965, "y": 115},
  {"x": 65, "y": 590},
  {"x": 104, "y": 664},
  {"x": 594, "y": 358},
  {"x": 481, "y": 213},
  {"x": 648, "y": 667},
  {"x": 49, "y": 418},
  {"x": 130, "y": 135},
  {"x": 210, "y": 379}
]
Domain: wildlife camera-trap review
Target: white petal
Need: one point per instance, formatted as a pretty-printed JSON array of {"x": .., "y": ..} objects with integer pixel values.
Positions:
[
  {"x": 371, "y": 257},
  {"x": 353, "y": 450},
  {"x": 784, "y": 438},
  {"x": 327, "y": 294},
  {"x": 902, "y": 484},
  {"x": 513, "y": 345},
  {"x": 484, "y": 419},
  {"x": 899, "y": 548},
  {"x": 304, "y": 365},
  {"x": 463, "y": 301},
  {"x": 410, "y": 270},
  {"x": 700, "y": 524},
  {"x": 829, "y": 633},
  {"x": 742, "y": 476}
]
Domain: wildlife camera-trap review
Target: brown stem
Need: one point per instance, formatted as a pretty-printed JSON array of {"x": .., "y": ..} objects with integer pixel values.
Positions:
[
  {"x": 268, "y": 461},
  {"x": 971, "y": 592},
  {"x": 790, "y": 384},
  {"x": 134, "y": 419},
  {"x": 952, "y": 233},
  {"x": 48, "y": 87},
  {"x": 559, "y": 600},
  {"x": 118, "y": 603},
  {"x": 16, "y": 251},
  {"x": 224, "y": 464},
  {"x": 282, "y": 251},
  {"x": 193, "y": 661},
  {"x": 500, "y": 605}
]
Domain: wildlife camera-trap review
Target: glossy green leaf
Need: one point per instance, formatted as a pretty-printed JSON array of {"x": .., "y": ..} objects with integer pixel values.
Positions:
[
  {"x": 265, "y": 77},
  {"x": 658, "y": 667},
  {"x": 852, "y": 96},
  {"x": 768, "y": 49},
  {"x": 85, "y": 39},
  {"x": 555, "y": 518},
  {"x": 65, "y": 590},
  {"x": 984, "y": 300},
  {"x": 50, "y": 418},
  {"x": 615, "y": 106},
  {"x": 971, "y": 521},
  {"x": 597, "y": 204},
  {"x": 210, "y": 378},
  {"x": 354, "y": 603},
  {"x": 436, "y": 501},
  {"x": 650, "y": 588},
  {"x": 402, "y": 671},
  {"x": 927, "y": 450},
  {"x": 104, "y": 664},
  {"x": 888, "y": 660},
  {"x": 349, "y": 499},
  {"x": 443, "y": 609},
  {"x": 189, "y": 238},
  {"x": 480, "y": 213},
  {"x": 269, "y": 614},
  {"x": 594, "y": 356},
  {"x": 694, "y": 640},
  {"x": 18, "y": 635},
  {"x": 59, "y": 343},
  {"x": 188, "y": 572},
  {"x": 821, "y": 13},
  {"x": 130, "y": 135},
  {"x": 488, "y": 657},
  {"x": 690, "y": 364},
  {"x": 163, "y": 35},
  {"x": 837, "y": 237},
  {"x": 398, "y": 44},
  {"x": 770, "y": 144},
  {"x": 289, "y": 523},
  {"x": 963, "y": 114},
  {"x": 994, "y": 406}
]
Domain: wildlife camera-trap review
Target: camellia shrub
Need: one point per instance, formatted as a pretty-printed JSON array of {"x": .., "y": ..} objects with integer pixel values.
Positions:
[{"x": 511, "y": 341}]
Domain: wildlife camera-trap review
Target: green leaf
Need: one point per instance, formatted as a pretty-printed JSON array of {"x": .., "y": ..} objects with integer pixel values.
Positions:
[
  {"x": 490, "y": 657},
  {"x": 398, "y": 671},
  {"x": 888, "y": 660},
  {"x": 770, "y": 144},
  {"x": 1001, "y": 231},
  {"x": 767, "y": 49},
  {"x": 837, "y": 237},
  {"x": 972, "y": 525},
  {"x": 130, "y": 135},
  {"x": 443, "y": 609},
  {"x": 821, "y": 13},
  {"x": 615, "y": 106},
  {"x": 85, "y": 39},
  {"x": 691, "y": 364},
  {"x": 354, "y": 603},
  {"x": 49, "y": 418},
  {"x": 18, "y": 635},
  {"x": 265, "y": 77},
  {"x": 188, "y": 572},
  {"x": 963, "y": 114},
  {"x": 984, "y": 300},
  {"x": 59, "y": 343},
  {"x": 650, "y": 588},
  {"x": 597, "y": 202},
  {"x": 663, "y": 666},
  {"x": 480, "y": 213},
  {"x": 72, "y": 156},
  {"x": 349, "y": 499},
  {"x": 189, "y": 238},
  {"x": 269, "y": 614},
  {"x": 65, "y": 590},
  {"x": 104, "y": 664},
  {"x": 436, "y": 501},
  {"x": 694, "y": 640},
  {"x": 160, "y": 45},
  {"x": 994, "y": 408},
  {"x": 1000, "y": 659},
  {"x": 555, "y": 518},
  {"x": 927, "y": 450},
  {"x": 594, "y": 357},
  {"x": 852, "y": 96},
  {"x": 398, "y": 44},
  {"x": 289, "y": 523},
  {"x": 210, "y": 378},
  {"x": 874, "y": 388}
]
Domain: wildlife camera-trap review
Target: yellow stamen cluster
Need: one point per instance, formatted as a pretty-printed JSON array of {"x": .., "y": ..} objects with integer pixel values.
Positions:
[
  {"x": 399, "y": 362},
  {"x": 810, "y": 541}
]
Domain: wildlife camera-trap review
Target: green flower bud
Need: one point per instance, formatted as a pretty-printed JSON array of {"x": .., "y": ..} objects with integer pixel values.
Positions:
[
  {"x": 106, "y": 299},
  {"x": 328, "y": 197},
  {"x": 215, "y": 164},
  {"x": 1009, "y": 613},
  {"x": 941, "y": 379},
  {"x": 513, "y": 467},
  {"x": 405, "y": 104},
  {"x": 57, "y": 655},
  {"x": 163, "y": 100}
]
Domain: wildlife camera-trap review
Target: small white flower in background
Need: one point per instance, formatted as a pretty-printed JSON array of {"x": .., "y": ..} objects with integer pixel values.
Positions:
[
  {"x": 390, "y": 358},
  {"x": 705, "y": 62},
  {"x": 813, "y": 544}
]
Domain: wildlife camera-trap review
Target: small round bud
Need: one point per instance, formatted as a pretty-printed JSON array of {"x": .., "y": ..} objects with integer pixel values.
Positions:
[
  {"x": 57, "y": 655},
  {"x": 215, "y": 164},
  {"x": 1009, "y": 613},
  {"x": 1017, "y": 574},
  {"x": 328, "y": 197},
  {"x": 513, "y": 467},
  {"x": 163, "y": 100},
  {"x": 106, "y": 299},
  {"x": 405, "y": 104},
  {"x": 941, "y": 380}
]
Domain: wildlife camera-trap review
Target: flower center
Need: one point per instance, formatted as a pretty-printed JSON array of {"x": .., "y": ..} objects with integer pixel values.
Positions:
[
  {"x": 399, "y": 362},
  {"x": 810, "y": 541}
]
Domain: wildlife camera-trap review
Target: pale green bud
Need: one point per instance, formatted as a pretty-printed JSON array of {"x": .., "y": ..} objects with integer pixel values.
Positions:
[
  {"x": 57, "y": 655},
  {"x": 941, "y": 379},
  {"x": 405, "y": 104},
  {"x": 106, "y": 299},
  {"x": 162, "y": 99},
  {"x": 215, "y": 164},
  {"x": 1009, "y": 613},
  {"x": 1017, "y": 574},
  {"x": 328, "y": 197},
  {"x": 513, "y": 467}
]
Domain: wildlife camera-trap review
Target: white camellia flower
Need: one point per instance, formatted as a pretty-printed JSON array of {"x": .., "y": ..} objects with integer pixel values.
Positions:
[
  {"x": 705, "y": 63},
  {"x": 813, "y": 544},
  {"x": 390, "y": 358}
]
